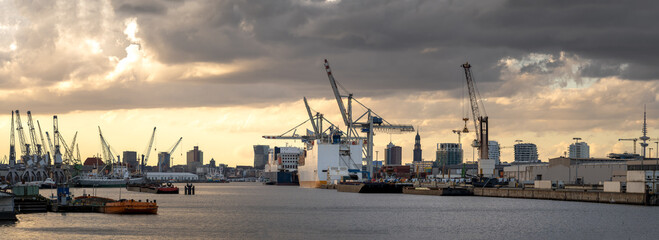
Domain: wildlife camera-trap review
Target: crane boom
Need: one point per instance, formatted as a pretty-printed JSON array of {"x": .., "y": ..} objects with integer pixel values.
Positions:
[
  {"x": 25, "y": 147},
  {"x": 313, "y": 123},
  {"x": 148, "y": 149},
  {"x": 36, "y": 147},
  {"x": 337, "y": 95},
  {"x": 175, "y": 145},
  {"x": 43, "y": 143}
]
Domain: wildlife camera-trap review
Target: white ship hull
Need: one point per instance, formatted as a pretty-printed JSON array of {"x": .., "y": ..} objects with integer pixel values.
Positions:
[{"x": 329, "y": 163}]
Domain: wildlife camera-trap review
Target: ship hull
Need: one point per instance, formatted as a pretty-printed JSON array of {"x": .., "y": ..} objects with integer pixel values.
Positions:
[{"x": 131, "y": 207}]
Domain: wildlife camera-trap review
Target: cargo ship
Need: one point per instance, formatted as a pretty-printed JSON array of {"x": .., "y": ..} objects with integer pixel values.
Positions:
[
  {"x": 281, "y": 168},
  {"x": 330, "y": 162}
]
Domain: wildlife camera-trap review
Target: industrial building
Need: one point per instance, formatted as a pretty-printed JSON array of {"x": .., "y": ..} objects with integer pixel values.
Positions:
[
  {"x": 393, "y": 155},
  {"x": 526, "y": 153},
  {"x": 494, "y": 151},
  {"x": 417, "y": 148},
  {"x": 195, "y": 159},
  {"x": 579, "y": 150},
  {"x": 261, "y": 156},
  {"x": 169, "y": 176},
  {"x": 569, "y": 170},
  {"x": 449, "y": 154}
]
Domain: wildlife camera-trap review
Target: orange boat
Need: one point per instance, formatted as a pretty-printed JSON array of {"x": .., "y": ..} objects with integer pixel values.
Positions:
[{"x": 124, "y": 206}]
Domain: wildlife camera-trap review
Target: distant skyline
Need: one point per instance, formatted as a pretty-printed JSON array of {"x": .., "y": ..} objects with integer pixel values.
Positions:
[{"x": 221, "y": 74}]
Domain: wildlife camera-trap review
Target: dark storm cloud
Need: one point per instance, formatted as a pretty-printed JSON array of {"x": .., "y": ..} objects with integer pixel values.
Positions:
[{"x": 375, "y": 47}]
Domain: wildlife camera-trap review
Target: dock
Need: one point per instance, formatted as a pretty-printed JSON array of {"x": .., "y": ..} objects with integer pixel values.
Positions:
[{"x": 570, "y": 195}]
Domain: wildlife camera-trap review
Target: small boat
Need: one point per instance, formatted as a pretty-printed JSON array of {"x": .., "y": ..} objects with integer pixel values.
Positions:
[
  {"x": 168, "y": 188},
  {"x": 124, "y": 206}
]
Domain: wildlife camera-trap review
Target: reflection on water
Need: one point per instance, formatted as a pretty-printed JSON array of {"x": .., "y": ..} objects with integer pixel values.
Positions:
[{"x": 255, "y": 211}]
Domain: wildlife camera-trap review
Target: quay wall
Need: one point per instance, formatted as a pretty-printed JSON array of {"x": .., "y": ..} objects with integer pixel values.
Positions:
[{"x": 582, "y": 196}]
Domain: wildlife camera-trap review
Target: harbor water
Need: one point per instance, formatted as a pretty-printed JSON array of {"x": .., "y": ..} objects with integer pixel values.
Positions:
[{"x": 256, "y": 211}]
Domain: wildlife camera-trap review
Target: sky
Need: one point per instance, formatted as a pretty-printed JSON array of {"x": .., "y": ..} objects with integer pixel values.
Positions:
[{"x": 221, "y": 74}]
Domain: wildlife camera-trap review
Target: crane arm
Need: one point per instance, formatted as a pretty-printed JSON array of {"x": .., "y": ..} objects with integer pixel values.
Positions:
[
  {"x": 313, "y": 123},
  {"x": 337, "y": 95},
  {"x": 21, "y": 136},
  {"x": 472, "y": 97},
  {"x": 43, "y": 143},
  {"x": 148, "y": 149},
  {"x": 175, "y": 145},
  {"x": 36, "y": 147}
]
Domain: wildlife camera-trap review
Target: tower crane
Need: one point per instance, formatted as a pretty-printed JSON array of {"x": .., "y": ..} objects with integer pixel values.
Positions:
[
  {"x": 481, "y": 125},
  {"x": 368, "y": 122},
  {"x": 630, "y": 139},
  {"x": 147, "y": 152}
]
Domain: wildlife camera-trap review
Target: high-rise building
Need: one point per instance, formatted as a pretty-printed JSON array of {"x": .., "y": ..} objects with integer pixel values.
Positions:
[
  {"x": 393, "y": 155},
  {"x": 526, "y": 152},
  {"x": 130, "y": 158},
  {"x": 164, "y": 161},
  {"x": 195, "y": 159},
  {"x": 494, "y": 151},
  {"x": 417, "y": 148},
  {"x": 579, "y": 150},
  {"x": 261, "y": 156},
  {"x": 211, "y": 163},
  {"x": 449, "y": 154}
]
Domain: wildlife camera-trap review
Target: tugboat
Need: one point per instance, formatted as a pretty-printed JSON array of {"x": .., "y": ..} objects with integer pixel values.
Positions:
[
  {"x": 124, "y": 206},
  {"x": 168, "y": 188}
]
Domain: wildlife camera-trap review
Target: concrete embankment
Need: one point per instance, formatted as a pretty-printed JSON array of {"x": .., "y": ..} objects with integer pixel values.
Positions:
[
  {"x": 438, "y": 191},
  {"x": 567, "y": 195}
]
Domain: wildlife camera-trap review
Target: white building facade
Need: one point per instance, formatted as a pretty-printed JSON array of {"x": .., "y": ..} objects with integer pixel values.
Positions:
[
  {"x": 579, "y": 150},
  {"x": 526, "y": 153}
]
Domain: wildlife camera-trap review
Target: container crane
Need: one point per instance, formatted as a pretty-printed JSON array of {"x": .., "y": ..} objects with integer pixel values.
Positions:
[
  {"x": 368, "y": 122},
  {"x": 481, "y": 126}
]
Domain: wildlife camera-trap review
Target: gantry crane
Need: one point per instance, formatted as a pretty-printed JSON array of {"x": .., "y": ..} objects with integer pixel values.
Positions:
[{"x": 367, "y": 122}]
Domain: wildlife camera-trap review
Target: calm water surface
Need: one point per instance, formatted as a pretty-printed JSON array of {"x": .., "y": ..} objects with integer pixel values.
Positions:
[{"x": 255, "y": 211}]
